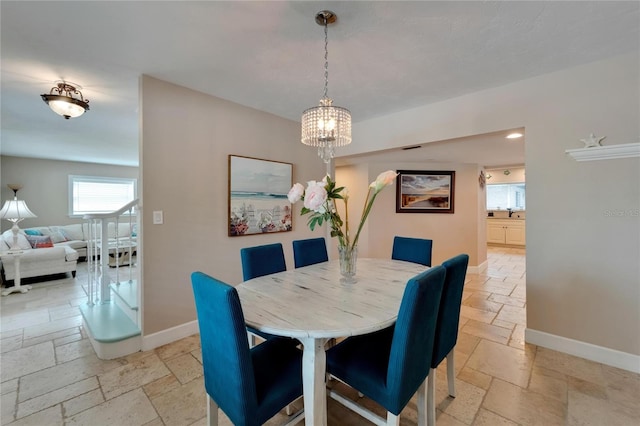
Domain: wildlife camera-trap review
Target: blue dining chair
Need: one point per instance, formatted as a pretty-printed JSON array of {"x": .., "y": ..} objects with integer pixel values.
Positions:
[
  {"x": 390, "y": 365},
  {"x": 258, "y": 261},
  {"x": 309, "y": 252},
  {"x": 447, "y": 328},
  {"x": 250, "y": 385},
  {"x": 416, "y": 250},
  {"x": 262, "y": 260}
]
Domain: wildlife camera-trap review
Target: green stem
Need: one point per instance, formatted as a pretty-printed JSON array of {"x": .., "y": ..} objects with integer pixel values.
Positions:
[
  {"x": 365, "y": 212},
  {"x": 332, "y": 218},
  {"x": 346, "y": 222}
]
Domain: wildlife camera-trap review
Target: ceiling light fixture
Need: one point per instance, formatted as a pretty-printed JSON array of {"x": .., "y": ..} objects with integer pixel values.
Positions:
[
  {"x": 67, "y": 101},
  {"x": 514, "y": 135},
  {"x": 326, "y": 126}
]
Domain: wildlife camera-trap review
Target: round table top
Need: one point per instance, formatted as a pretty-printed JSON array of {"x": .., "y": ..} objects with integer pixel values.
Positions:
[{"x": 314, "y": 301}]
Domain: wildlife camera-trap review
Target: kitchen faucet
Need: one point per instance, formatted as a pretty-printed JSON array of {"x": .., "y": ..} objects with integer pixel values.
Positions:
[{"x": 510, "y": 212}]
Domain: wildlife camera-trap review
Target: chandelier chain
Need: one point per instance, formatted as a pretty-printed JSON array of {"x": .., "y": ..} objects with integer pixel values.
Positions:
[{"x": 326, "y": 60}]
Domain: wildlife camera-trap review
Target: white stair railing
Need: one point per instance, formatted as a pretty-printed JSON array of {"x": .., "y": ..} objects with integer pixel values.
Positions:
[{"x": 100, "y": 246}]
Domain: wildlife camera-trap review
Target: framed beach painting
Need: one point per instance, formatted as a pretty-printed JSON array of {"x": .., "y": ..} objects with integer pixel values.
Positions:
[
  {"x": 425, "y": 191},
  {"x": 258, "y": 200}
]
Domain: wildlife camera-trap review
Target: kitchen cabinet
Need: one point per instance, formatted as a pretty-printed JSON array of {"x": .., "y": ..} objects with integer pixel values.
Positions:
[{"x": 509, "y": 232}]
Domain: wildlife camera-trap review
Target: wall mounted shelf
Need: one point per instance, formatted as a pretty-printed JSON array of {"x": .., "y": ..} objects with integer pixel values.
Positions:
[{"x": 605, "y": 152}]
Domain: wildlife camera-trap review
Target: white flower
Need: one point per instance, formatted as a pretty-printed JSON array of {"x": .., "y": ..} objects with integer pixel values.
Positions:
[
  {"x": 320, "y": 200},
  {"x": 315, "y": 196},
  {"x": 295, "y": 193},
  {"x": 384, "y": 179}
]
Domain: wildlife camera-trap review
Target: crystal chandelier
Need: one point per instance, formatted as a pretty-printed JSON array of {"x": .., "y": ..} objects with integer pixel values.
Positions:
[
  {"x": 326, "y": 126},
  {"x": 67, "y": 101}
]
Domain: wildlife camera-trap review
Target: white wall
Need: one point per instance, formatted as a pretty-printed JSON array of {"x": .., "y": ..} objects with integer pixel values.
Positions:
[
  {"x": 583, "y": 274},
  {"x": 187, "y": 137},
  {"x": 516, "y": 175}
]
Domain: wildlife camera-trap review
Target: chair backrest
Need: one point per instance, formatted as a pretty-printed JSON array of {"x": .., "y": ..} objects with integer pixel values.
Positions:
[
  {"x": 449, "y": 313},
  {"x": 416, "y": 250},
  {"x": 309, "y": 252},
  {"x": 226, "y": 358},
  {"x": 262, "y": 260},
  {"x": 413, "y": 336}
]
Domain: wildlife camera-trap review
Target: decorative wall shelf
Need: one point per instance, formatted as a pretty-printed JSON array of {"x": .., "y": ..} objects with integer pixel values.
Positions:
[{"x": 605, "y": 152}]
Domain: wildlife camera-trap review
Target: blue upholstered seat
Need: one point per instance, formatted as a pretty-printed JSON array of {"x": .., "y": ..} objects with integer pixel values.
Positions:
[
  {"x": 447, "y": 327},
  {"x": 416, "y": 250},
  {"x": 258, "y": 261},
  {"x": 249, "y": 385},
  {"x": 390, "y": 365},
  {"x": 309, "y": 252}
]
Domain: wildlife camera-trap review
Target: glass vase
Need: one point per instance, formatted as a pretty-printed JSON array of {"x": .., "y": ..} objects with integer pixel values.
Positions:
[{"x": 348, "y": 261}]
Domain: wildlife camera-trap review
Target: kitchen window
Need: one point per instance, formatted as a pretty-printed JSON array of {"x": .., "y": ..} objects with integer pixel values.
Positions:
[{"x": 502, "y": 196}]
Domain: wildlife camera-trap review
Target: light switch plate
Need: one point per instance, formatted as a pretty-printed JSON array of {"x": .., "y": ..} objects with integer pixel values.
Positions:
[{"x": 157, "y": 217}]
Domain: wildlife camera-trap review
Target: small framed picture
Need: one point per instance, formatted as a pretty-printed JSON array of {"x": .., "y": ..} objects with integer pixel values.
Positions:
[{"x": 419, "y": 191}]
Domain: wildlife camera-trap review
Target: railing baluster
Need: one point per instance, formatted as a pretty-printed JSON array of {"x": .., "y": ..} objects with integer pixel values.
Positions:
[{"x": 98, "y": 289}]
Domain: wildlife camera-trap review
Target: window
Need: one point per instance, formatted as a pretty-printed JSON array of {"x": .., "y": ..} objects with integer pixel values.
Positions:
[
  {"x": 91, "y": 194},
  {"x": 506, "y": 196}
]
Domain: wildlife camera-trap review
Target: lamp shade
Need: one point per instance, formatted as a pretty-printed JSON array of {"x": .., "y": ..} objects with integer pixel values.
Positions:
[
  {"x": 15, "y": 210},
  {"x": 326, "y": 127}
]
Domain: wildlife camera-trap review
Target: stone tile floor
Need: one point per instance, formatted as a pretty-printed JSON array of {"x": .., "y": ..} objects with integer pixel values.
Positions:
[{"x": 50, "y": 375}]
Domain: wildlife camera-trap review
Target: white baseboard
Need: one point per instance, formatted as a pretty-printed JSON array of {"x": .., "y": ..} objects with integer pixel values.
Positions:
[
  {"x": 478, "y": 269},
  {"x": 169, "y": 335},
  {"x": 612, "y": 357}
]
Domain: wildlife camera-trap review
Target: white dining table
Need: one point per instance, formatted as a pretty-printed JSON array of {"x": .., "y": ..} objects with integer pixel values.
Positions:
[{"x": 314, "y": 304}]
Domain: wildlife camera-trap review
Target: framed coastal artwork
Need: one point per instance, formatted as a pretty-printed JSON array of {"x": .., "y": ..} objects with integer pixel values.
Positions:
[
  {"x": 258, "y": 200},
  {"x": 425, "y": 191}
]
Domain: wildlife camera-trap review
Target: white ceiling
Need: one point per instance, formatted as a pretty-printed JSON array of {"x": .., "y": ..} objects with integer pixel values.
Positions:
[{"x": 384, "y": 56}]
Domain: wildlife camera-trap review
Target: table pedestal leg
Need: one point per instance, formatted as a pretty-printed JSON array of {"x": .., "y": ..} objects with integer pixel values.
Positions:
[
  {"x": 314, "y": 361},
  {"x": 16, "y": 280}
]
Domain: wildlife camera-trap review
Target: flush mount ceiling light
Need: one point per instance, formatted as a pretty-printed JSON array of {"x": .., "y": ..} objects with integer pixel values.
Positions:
[
  {"x": 514, "y": 135},
  {"x": 326, "y": 126},
  {"x": 67, "y": 101}
]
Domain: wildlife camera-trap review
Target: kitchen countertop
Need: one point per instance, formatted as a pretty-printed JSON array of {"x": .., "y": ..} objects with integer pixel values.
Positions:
[{"x": 506, "y": 218}]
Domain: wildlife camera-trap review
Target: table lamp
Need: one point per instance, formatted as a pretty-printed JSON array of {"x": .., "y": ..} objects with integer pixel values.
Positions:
[{"x": 15, "y": 211}]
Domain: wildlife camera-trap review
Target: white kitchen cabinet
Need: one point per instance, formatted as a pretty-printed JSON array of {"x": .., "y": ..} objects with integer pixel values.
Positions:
[{"x": 506, "y": 232}]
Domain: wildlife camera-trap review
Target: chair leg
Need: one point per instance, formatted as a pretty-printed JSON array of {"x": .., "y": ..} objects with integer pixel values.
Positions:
[
  {"x": 212, "y": 412},
  {"x": 451, "y": 374},
  {"x": 289, "y": 408},
  {"x": 252, "y": 339},
  {"x": 431, "y": 397},
  {"x": 392, "y": 419},
  {"x": 295, "y": 418},
  {"x": 422, "y": 404}
]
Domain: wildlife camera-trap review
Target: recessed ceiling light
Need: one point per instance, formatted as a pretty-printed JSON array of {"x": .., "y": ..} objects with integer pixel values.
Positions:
[{"x": 514, "y": 135}]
